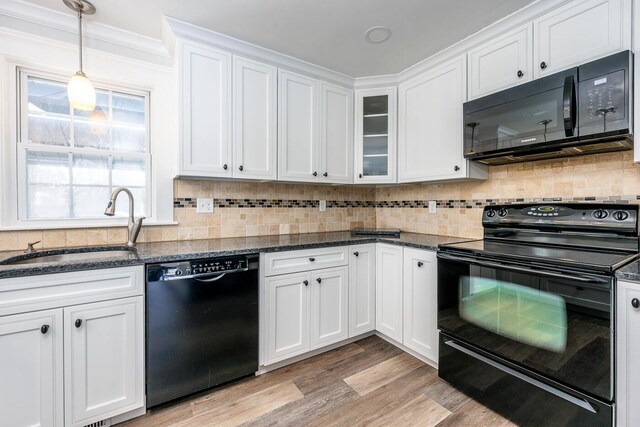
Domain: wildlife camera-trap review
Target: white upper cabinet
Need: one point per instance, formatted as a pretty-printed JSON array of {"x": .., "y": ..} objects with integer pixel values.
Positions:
[
  {"x": 205, "y": 116},
  {"x": 502, "y": 62},
  {"x": 375, "y": 136},
  {"x": 580, "y": 31},
  {"x": 430, "y": 134},
  {"x": 297, "y": 127},
  {"x": 336, "y": 135},
  {"x": 255, "y": 120}
]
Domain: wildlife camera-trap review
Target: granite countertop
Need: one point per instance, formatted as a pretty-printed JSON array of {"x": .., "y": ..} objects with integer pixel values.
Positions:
[
  {"x": 146, "y": 253},
  {"x": 630, "y": 271}
]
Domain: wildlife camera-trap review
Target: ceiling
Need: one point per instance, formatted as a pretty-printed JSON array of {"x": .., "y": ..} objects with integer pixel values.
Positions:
[{"x": 329, "y": 33}]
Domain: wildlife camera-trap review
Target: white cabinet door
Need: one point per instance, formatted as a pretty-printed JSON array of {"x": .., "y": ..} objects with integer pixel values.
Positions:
[
  {"x": 297, "y": 127},
  {"x": 104, "y": 359},
  {"x": 580, "y": 31},
  {"x": 329, "y": 305},
  {"x": 389, "y": 290},
  {"x": 255, "y": 116},
  {"x": 627, "y": 354},
  {"x": 375, "y": 136},
  {"x": 420, "y": 302},
  {"x": 336, "y": 135},
  {"x": 287, "y": 314},
  {"x": 430, "y": 134},
  {"x": 205, "y": 146},
  {"x": 362, "y": 289},
  {"x": 31, "y": 369},
  {"x": 503, "y": 62}
]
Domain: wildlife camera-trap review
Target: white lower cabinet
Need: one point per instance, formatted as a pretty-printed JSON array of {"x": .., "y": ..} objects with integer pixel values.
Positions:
[
  {"x": 287, "y": 315},
  {"x": 31, "y": 369},
  {"x": 421, "y": 302},
  {"x": 104, "y": 348},
  {"x": 65, "y": 361},
  {"x": 329, "y": 305},
  {"x": 389, "y": 290},
  {"x": 627, "y": 354},
  {"x": 362, "y": 289}
]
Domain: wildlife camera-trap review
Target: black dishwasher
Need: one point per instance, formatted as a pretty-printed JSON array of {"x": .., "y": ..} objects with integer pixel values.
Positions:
[{"x": 202, "y": 325}]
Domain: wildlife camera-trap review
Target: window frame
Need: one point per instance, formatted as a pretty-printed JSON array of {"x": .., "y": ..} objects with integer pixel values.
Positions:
[{"x": 20, "y": 148}]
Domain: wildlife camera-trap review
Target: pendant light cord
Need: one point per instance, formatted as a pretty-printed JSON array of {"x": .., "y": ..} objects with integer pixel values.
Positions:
[{"x": 80, "y": 38}]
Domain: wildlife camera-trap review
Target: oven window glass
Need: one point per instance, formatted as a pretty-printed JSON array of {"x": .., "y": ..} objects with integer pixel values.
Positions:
[{"x": 517, "y": 312}]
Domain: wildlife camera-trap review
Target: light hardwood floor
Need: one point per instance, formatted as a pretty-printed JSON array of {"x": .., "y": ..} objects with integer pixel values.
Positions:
[{"x": 369, "y": 382}]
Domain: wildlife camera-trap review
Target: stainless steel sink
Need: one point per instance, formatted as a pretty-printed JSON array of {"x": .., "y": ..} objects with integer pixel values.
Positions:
[{"x": 71, "y": 256}]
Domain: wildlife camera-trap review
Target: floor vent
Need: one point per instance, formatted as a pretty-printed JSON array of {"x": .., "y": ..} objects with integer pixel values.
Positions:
[{"x": 103, "y": 423}]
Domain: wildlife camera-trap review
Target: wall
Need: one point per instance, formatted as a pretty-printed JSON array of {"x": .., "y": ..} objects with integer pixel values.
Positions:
[
  {"x": 251, "y": 209},
  {"x": 601, "y": 177}
]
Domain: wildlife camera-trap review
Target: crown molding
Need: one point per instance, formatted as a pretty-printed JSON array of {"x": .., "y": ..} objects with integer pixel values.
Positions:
[
  {"x": 173, "y": 28},
  {"x": 22, "y": 16},
  {"x": 515, "y": 19}
]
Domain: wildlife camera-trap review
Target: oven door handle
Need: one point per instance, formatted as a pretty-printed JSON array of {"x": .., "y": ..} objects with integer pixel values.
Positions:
[
  {"x": 525, "y": 270},
  {"x": 561, "y": 394}
]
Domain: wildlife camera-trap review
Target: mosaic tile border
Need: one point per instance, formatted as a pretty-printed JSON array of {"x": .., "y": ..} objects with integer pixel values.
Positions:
[{"x": 190, "y": 202}]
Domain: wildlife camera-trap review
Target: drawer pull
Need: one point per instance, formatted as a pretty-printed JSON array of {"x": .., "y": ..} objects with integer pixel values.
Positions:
[
  {"x": 312, "y": 259},
  {"x": 319, "y": 280},
  {"x": 44, "y": 329},
  {"x": 635, "y": 303},
  {"x": 356, "y": 253},
  {"x": 78, "y": 323},
  {"x": 420, "y": 263},
  {"x": 306, "y": 283}
]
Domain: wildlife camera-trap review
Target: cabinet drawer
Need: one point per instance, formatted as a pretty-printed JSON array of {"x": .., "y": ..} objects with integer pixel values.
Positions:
[
  {"x": 22, "y": 294},
  {"x": 305, "y": 260}
]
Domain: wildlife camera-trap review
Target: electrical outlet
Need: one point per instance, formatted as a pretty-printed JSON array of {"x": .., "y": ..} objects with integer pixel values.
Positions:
[
  {"x": 323, "y": 205},
  {"x": 204, "y": 206},
  {"x": 432, "y": 206}
]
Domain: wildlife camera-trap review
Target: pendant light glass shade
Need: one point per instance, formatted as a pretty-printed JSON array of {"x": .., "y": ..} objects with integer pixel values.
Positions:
[{"x": 82, "y": 95}]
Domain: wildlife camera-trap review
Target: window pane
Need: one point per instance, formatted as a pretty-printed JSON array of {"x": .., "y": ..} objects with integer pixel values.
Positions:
[
  {"x": 128, "y": 172},
  {"x": 90, "y": 202},
  {"x": 48, "y": 130},
  {"x": 101, "y": 110},
  {"x": 128, "y": 109},
  {"x": 47, "y": 168},
  {"x": 47, "y": 201},
  {"x": 90, "y": 170},
  {"x": 46, "y": 96},
  {"x": 128, "y": 139},
  {"x": 90, "y": 134}
]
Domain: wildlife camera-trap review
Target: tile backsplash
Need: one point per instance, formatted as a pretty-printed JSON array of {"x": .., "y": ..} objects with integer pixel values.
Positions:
[{"x": 250, "y": 209}]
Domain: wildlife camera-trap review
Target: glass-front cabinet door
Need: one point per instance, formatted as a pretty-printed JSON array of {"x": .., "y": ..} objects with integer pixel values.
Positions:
[{"x": 375, "y": 150}]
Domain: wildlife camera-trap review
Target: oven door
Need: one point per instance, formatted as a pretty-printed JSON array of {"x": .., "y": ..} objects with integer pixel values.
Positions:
[{"x": 554, "y": 323}]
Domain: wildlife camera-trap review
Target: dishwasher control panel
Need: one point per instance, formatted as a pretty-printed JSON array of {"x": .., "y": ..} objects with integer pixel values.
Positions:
[{"x": 208, "y": 266}]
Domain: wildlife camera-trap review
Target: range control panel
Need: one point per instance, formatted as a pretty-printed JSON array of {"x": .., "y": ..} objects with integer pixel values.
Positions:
[{"x": 567, "y": 215}]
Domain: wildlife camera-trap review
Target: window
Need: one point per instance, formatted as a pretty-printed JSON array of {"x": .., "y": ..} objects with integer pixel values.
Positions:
[{"x": 69, "y": 161}]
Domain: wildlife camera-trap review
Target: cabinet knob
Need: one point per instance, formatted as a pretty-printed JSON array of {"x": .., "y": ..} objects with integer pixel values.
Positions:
[
  {"x": 543, "y": 65},
  {"x": 78, "y": 323},
  {"x": 356, "y": 253},
  {"x": 241, "y": 168},
  {"x": 635, "y": 303},
  {"x": 44, "y": 329},
  {"x": 225, "y": 167},
  {"x": 315, "y": 174},
  {"x": 325, "y": 174},
  {"x": 520, "y": 73},
  {"x": 420, "y": 263},
  {"x": 360, "y": 176},
  {"x": 456, "y": 168},
  {"x": 319, "y": 280},
  {"x": 312, "y": 259},
  {"x": 306, "y": 283}
]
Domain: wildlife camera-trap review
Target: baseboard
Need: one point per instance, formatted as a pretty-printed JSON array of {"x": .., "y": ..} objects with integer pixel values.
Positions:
[
  {"x": 277, "y": 365},
  {"x": 129, "y": 415},
  {"x": 407, "y": 350}
]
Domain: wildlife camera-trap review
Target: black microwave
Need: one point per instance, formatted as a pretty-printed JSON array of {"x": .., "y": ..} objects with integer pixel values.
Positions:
[{"x": 582, "y": 110}]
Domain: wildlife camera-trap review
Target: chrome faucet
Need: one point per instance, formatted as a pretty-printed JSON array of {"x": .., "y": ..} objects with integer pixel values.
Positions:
[{"x": 134, "y": 224}]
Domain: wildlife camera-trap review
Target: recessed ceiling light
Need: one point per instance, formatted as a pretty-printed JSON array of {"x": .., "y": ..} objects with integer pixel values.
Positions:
[{"x": 377, "y": 34}]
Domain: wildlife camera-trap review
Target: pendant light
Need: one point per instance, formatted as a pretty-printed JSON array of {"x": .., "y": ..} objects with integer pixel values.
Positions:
[{"x": 82, "y": 95}]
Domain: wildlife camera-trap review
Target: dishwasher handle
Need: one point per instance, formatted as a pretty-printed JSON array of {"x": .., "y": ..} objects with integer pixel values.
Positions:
[{"x": 213, "y": 279}]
